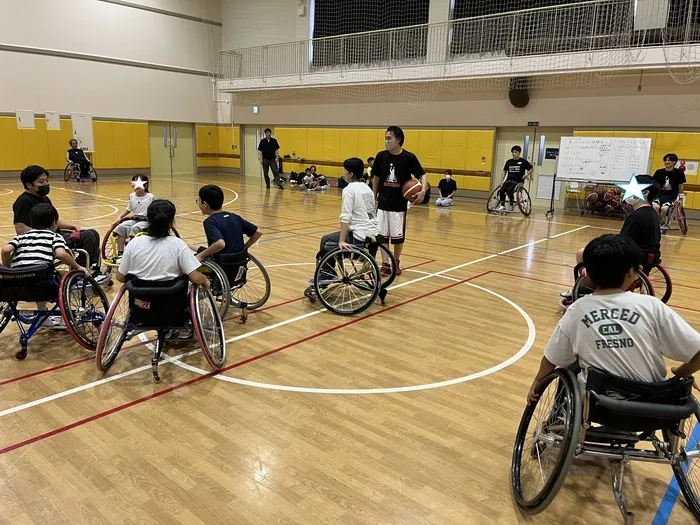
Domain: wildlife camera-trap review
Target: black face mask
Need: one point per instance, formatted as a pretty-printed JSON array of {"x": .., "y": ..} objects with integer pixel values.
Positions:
[{"x": 44, "y": 190}]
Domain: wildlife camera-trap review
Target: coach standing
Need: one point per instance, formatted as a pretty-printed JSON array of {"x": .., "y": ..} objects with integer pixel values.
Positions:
[{"x": 268, "y": 154}]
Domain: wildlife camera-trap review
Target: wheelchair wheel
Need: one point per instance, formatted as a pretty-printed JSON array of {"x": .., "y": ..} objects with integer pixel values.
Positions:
[
  {"x": 109, "y": 245},
  {"x": 680, "y": 218},
  {"x": 93, "y": 173},
  {"x": 386, "y": 279},
  {"x": 546, "y": 441},
  {"x": 661, "y": 281},
  {"x": 494, "y": 202},
  {"x": 220, "y": 287},
  {"x": 5, "y": 315},
  {"x": 524, "y": 202},
  {"x": 641, "y": 285},
  {"x": 114, "y": 331},
  {"x": 68, "y": 173},
  {"x": 347, "y": 281},
  {"x": 83, "y": 305},
  {"x": 253, "y": 290},
  {"x": 687, "y": 471},
  {"x": 208, "y": 326}
]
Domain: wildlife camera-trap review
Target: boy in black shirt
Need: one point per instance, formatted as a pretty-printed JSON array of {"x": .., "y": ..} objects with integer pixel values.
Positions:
[
  {"x": 391, "y": 169},
  {"x": 515, "y": 171},
  {"x": 447, "y": 187},
  {"x": 670, "y": 179}
]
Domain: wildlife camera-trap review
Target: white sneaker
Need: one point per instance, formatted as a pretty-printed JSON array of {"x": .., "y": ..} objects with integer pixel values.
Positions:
[
  {"x": 55, "y": 322},
  {"x": 102, "y": 279},
  {"x": 501, "y": 208},
  {"x": 511, "y": 207}
]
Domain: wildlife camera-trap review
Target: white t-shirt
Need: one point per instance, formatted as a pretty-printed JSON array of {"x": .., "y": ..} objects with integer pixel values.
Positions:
[
  {"x": 626, "y": 334},
  {"x": 359, "y": 211},
  {"x": 153, "y": 259},
  {"x": 139, "y": 205}
]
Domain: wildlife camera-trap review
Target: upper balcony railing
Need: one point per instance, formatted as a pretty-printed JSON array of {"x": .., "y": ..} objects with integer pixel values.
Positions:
[{"x": 572, "y": 28}]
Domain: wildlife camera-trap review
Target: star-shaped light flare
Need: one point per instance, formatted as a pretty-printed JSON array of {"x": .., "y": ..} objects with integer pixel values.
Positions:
[
  {"x": 139, "y": 183},
  {"x": 633, "y": 188}
]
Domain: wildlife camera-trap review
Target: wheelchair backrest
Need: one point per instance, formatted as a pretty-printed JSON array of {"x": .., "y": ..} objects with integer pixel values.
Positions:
[
  {"x": 675, "y": 391},
  {"x": 158, "y": 303},
  {"x": 37, "y": 282}
]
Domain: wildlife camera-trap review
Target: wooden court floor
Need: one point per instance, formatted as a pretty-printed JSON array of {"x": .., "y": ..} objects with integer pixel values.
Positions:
[{"x": 405, "y": 414}]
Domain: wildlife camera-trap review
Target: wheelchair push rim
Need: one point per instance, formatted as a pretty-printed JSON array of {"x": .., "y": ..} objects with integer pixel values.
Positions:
[
  {"x": 83, "y": 306},
  {"x": 641, "y": 285},
  {"x": 494, "y": 202},
  {"x": 524, "y": 201},
  {"x": 549, "y": 444},
  {"x": 219, "y": 286},
  {"x": 661, "y": 281},
  {"x": 355, "y": 283},
  {"x": 208, "y": 327},
  {"x": 681, "y": 218},
  {"x": 687, "y": 470},
  {"x": 114, "y": 331},
  {"x": 254, "y": 291}
]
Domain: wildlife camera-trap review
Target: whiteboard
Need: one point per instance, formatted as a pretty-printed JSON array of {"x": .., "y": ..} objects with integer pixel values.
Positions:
[
  {"x": 82, "y": 131},
  {"x": 602, "y": 159}
]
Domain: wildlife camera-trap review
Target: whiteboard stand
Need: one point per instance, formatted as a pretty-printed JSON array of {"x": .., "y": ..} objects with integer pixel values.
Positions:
[{"x": 550, "y": 211}]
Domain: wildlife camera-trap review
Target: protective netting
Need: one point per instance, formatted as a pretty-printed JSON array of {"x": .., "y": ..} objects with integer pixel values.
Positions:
[{"x": 485, "y": 43}]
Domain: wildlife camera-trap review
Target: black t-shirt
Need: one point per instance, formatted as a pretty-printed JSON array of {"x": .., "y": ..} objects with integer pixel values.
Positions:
[
  {"x": 447, "y": 187},
  {"x": 268, "y": 148},
  {"x": 76, "y": 155},
  {"x": 642, "y": 226},
  {"x": 393, "y": 171},
  {"x": 516, "y": 169},
  {"x": 229, "y": 227},
  {"x": 669, "y": 181},
  {"x": 24, "y": 203}
]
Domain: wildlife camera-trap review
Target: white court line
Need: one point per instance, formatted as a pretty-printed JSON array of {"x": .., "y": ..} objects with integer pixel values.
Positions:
[
  {"x": 394, "y": 390},
  {"x": 250, "y": 334},
  {"x": 10, "y": 192}
]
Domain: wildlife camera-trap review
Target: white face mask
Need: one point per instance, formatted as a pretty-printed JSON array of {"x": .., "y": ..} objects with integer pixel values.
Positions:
[
  {"x": 448, "y": 177},
  {"x": 390, "y": 144}
]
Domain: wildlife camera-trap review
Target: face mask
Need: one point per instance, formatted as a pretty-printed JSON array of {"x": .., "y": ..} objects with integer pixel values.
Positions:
[
  {"x": 43, "y": 190},
  {"x": 448, "y": 177},
  {"x": 390, "y": 144}
]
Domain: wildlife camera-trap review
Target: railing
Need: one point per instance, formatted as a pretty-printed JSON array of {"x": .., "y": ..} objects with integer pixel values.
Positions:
[{"x": 585, "y": 26}]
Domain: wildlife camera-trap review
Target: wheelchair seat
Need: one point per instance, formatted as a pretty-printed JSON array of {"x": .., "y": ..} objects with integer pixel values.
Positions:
[
  {"x": 158, "y": 303},
  {"x": 633, "y": 406},
  {"x": 28, "y": 284},
  {"x": 233, "y": 265}
]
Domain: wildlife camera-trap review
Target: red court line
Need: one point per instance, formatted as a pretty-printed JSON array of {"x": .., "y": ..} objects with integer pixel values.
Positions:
[
  {"x": 46, "y": 370},
  {"x": 119, "y": 408}
]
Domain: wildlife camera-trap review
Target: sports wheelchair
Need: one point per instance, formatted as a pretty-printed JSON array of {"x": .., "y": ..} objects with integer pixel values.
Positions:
[
  {"x": 614, "y": 418},
  {"x": 238, "y": 280},
  {"x": 169, "y": 308},
  {"x": 72, "y": 172},
  {"x": 522, "y": 198},
  {"x": 657, "y": 282},
  {"x": 77, "y": 298},
  {"x": 109, "y": 250},
  {"x": 348, "y": 281},
  {"x": 676, "y": 213}
]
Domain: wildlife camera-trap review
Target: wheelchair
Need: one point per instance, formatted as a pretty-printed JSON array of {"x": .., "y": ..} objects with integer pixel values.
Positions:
[
  {"x": 615, "y": 418},
  {"x": 349, "y": 281},
  {"x": 238, "y": 280},
  {"x": 169, "y": 308},
  {"x": 657, "y": 283},
  {"x": 522, "y": 198},
  {"x": 77, "y": 298},
  {"x": 109, "y": 250},
  {"x": 72, "y": 172},
  {"x": 677, "y": 214}
]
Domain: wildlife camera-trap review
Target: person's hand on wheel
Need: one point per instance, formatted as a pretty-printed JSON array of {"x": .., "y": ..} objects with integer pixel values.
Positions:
[
  {"x": 344, "y": 245},
  {"x": 532, "y": 396}
]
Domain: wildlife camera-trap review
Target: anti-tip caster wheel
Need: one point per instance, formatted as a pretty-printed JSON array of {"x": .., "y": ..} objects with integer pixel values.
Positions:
[
  {"x": 156, "y": 376},
  {"x": 244, "y": 318},
  {"x": 22, "y": 354}
]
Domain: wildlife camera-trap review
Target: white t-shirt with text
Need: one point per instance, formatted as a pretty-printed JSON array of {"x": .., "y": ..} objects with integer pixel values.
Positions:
[
  {"x": 152, "y": 259},
  {"x": 625, "y": 334},
  {"x": 358, "y": 210}
]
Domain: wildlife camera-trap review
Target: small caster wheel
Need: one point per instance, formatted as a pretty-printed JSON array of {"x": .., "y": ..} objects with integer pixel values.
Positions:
[
  {"x": 22, "y": 354},
  {"x": 156, "y": 376},
  {"x": 94, "y": 179},
  {"x": 110, "y": 283},
  {"x": 244, "y": 318}
]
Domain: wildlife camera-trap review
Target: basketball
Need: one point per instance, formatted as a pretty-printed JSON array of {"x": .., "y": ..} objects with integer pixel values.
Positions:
[
  {"x": 609, "y": 195},
  {"x": 609, "y": 208},
  {"x": 410, "y": 189},
  {"x": 591, "y": 198},
  {"x": 601, "y": 193},
  {"x": 618, "y": 191}
]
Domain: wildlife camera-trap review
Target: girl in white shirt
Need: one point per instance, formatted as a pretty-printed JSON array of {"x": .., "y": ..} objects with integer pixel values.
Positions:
[{"x": 138, "y": 204}]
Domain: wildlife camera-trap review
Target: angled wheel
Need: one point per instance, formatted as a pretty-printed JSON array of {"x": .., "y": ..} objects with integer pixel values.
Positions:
[
  {"x": 109, "y": 245},
  {"x": 220, "y": 287},
  {"x": 494, "y": 202},
  {"x": 347, "y": 281},
  {"x": 93, "y": 173},
  {"x": 545, "y": 444},
  {"x": 687, "y": 470},
  {"x": 524, "y": 201},
  {"x": 642, "y": 285},
  {"x": 661, "y": 282},
  {"x": 679, "y": 212},
  {"x": 386, "y": 277},
  {"x": 83, "y": 305},
  {"x": 208, "y": 327},
  {"x": 68, "y": 173},
  {"x": 253, "y": 288},
  {"x": 113, "y": 332}
]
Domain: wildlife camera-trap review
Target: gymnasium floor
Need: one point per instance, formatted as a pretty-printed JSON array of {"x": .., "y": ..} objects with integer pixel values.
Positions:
[{"x": 405, "y": 414}]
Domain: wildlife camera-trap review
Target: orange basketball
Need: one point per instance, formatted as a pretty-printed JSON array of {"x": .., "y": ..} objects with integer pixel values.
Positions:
[
  {"x": 591, "y": 198},
  {"x": 410, "y": 189},
  {"x": 609, "y": 195}
]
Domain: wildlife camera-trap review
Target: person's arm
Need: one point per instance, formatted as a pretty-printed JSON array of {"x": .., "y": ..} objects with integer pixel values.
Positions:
[
  {"x": 121, "y": 216},
  {"x": 199, "y": 278},
  {"x": 277, "y": 150},
  {"x": 418, "y": 171},
  {"x": 559, "y": 352},
  {"x": 260, "y": 152},
  {"x": 211, "y": 250},
  {"x": 189, "y": 265},
  {"x": 689, "y": 368},
  {"x": 346, "y": 217},
  {"x": 66, "y": 258},
  {"x": 7, "y": 252},
  {"x": 68, "y": 157},
  {"x": 528, "y": 171},
  {"x": 677, "y": 340},
  {"x": 62, "y": 225},
  {"x": 451, "y": 195},
  {"x": 120, "y": 277},
  {"x": 20, "y": 227},
  {"x": 546, "y": 368},
  {"x": 681, "y": 193},
  {"x": 215, "y": 240},
  {"x": 21, "y": 209},
  {"x": 253, "y": 239}
]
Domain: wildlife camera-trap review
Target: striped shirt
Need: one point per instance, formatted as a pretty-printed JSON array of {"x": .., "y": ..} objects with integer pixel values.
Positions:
[{"x": 36, "y": 247}]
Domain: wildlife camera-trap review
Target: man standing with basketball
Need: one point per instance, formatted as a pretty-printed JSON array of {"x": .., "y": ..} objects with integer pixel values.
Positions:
[{"x": 391, "y": 169}]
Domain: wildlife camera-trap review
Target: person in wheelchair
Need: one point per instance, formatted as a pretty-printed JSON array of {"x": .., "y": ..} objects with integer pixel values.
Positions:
[
  {"x": 617, "y": 331},
  {"x": 77, "y": 156},
  {"x": 139, "y": 201},
  {"x": 516, "y": 171},
  {"x": 358, "y": 217},
  {"x": 641, "y": 226},
  {"x": 35, "y": 180},
  {"x": 670, "y": 179}
]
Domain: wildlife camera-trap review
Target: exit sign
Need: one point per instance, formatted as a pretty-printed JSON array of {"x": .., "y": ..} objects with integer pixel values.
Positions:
[{"x": 533, "y": 124}]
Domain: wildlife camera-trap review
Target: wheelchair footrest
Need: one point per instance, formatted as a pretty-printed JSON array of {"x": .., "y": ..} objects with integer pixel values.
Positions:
[{"x": 609, "y": 435}]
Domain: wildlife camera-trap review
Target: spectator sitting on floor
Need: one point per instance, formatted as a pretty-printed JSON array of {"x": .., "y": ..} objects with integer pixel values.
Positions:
[{"x": 448, "y": 188}]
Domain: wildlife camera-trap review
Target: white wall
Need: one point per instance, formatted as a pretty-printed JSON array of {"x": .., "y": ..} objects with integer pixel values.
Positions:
[
  {"x": 250, "y": 23},
  {"x": 617, "y": 103},
  {"x": 115, "y": 31}
]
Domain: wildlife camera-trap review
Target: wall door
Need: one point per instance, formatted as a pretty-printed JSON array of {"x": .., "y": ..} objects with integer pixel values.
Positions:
[
  {"x": 172, "y": 148},
  {"x": 252, "y": 137}
]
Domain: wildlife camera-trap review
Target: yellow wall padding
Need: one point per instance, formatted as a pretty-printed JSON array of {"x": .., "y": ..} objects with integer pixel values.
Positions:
[
  {"x": 331, "y": 145},
  {"x": 104, "y": 144},
  {"x": 314, "y": 143},
  {"x": 430, "y": 148},
  {"x": 35, "y": 143},
  {"x": 58, "y": 145},
  {"x": 123, "y": 149},
  {"x": 140, "y": 148},
  {"x": 12, "y": 157},
  {"x": 479, "y": 150},
  {"x": 349, "y": 145},
  {"x": 454, "y": 147}
]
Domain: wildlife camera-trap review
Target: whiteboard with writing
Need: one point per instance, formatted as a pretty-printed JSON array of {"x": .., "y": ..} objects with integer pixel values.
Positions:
[{"x": 602, "y": 159}]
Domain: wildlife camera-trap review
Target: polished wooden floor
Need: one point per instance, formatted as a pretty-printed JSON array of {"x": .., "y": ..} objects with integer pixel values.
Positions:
[{"x": 405, "y": 414}]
